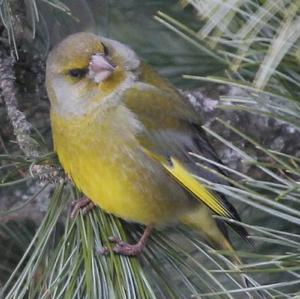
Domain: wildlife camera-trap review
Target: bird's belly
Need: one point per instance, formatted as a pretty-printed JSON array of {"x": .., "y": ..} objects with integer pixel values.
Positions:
[{"x": 127, "y": 183}]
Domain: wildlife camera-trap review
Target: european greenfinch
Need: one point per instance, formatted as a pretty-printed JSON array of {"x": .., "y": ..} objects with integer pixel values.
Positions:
[{"x": 125, "y": 136}]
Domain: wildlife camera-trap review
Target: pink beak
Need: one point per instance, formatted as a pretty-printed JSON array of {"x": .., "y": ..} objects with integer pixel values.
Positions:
[{"x": 100, "y": 68}]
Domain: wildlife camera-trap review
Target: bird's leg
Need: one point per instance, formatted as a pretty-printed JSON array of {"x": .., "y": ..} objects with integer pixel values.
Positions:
[
  {"x": 131, "y": 249},
  {"x": 83, "y": 204}
]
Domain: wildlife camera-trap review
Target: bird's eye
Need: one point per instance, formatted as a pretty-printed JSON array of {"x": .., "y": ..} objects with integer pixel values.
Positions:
[
  {"x": 105, "y": 50},
  {"x": 78, "y": 73}
]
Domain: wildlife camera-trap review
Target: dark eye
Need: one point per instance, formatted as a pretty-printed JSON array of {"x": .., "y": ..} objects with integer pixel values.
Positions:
[
  {"x": 105, "y": 50},
  {"x": 78, "y": 73}
]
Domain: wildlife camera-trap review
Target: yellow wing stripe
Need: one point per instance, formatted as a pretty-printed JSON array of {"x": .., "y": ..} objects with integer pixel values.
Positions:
[
  {"x": 178, "y": 171},
  {"x": 183, "y": 176}
]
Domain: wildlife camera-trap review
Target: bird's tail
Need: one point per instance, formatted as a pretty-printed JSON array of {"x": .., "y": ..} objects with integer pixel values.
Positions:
[
  {"x": 215, "y": 233},
  {"x": 202, "y": 221}
]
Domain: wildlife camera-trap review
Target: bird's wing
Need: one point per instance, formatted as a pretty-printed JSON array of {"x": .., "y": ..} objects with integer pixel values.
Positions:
[{"x": 171, "y": 131}]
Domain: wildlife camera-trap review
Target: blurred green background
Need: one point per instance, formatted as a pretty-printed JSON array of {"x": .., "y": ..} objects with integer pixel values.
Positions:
[{"x": 133, "y": 23}]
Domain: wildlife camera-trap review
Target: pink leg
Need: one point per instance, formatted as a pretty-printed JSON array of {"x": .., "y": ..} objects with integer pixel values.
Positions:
[
  {"x": 83, "y": 204},
  {"x": 124, "y": 248}
]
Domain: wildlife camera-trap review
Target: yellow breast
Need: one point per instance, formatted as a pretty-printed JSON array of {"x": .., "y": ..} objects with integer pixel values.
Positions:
[{"x": 105, "y": 162}]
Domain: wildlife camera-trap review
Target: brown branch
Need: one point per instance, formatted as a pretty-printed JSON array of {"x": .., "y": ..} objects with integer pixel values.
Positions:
[{"x": 21, "y": 127}]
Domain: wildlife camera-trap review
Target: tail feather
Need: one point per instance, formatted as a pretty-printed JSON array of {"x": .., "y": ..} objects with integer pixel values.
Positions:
[{"x": 215, "y": 232}]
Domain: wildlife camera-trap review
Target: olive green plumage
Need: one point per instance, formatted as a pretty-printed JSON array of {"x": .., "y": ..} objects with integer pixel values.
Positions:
[{"x": 125, "y": 136}]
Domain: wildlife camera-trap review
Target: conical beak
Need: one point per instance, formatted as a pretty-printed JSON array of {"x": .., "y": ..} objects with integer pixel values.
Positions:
[{"x": 100, "y": 68}]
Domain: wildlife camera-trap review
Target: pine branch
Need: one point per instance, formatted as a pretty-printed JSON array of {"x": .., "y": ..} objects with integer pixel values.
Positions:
[{"x": 22, "y": 128}]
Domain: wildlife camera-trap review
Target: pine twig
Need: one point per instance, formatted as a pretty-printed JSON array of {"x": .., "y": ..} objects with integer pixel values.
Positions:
[{"x": 21, "y": 127}]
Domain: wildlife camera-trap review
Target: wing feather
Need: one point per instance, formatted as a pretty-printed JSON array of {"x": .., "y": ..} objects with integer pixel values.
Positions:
[{"x": 171, "y": 131}]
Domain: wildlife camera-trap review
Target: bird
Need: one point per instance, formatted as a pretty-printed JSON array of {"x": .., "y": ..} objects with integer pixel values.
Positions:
[{"x": 127, "y": 138}]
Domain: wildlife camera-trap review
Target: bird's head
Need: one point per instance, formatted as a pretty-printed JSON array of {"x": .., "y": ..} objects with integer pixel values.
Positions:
[{"x": 85, "y": 69}]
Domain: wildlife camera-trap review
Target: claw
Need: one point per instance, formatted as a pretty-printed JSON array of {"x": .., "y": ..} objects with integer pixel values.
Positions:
[
  {"x": 88, "y": 208},
  {"x": 83, "y": 204},
  {"x": 117, "y": 240},
  {"x": 128, "y": 249},
  {"x": 103, "y": 250}
]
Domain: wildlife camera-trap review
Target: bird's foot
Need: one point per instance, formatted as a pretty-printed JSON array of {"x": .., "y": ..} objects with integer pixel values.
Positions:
[
  {"x": 83, "y": 204},
  {"x": 122, "y": 247},
  {"x": 127, "y": 249}
]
